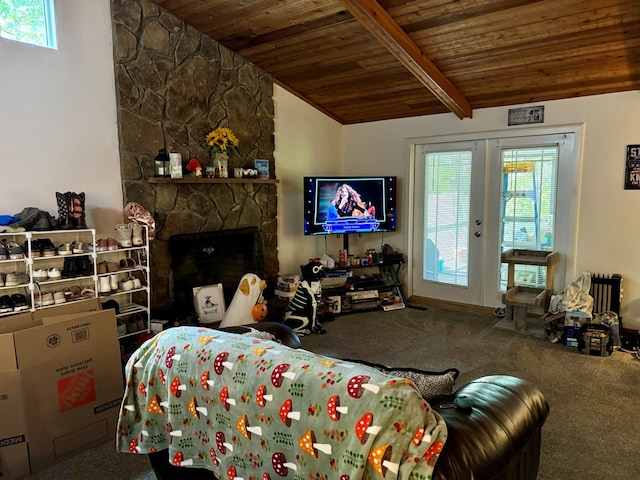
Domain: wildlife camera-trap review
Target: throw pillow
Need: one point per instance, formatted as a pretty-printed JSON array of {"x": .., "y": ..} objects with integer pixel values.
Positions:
[{"x": 430, "y": 384}]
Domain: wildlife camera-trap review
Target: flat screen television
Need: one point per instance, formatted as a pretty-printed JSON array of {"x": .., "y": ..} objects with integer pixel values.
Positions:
[{"x": 343, "y": 205}]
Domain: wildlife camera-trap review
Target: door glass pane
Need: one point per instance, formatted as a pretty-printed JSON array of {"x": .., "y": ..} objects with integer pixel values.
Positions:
[
  {"x": 528, "y": 206},
  {"x": 446, "y": 217}
]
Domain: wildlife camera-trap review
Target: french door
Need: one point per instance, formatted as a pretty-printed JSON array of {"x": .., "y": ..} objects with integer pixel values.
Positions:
[{"x": 475, "y": 199}]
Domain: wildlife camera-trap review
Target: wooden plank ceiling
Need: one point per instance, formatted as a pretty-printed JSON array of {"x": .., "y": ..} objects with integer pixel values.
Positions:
[{"x": 362, "y": 60}]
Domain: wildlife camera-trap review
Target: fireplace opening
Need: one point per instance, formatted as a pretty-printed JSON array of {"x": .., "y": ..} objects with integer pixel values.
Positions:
[{"x": 208, "y": 258}]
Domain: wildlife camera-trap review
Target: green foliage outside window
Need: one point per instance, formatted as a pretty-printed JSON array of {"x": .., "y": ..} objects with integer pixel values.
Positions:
[{"x": 28, "y": 21}]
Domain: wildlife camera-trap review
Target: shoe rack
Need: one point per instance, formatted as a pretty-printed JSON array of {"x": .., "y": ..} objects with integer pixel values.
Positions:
[
  {"x": 53, "y": 276},
  {"x": 122, "y": 280},
  {"x": 60, "y": 276}
]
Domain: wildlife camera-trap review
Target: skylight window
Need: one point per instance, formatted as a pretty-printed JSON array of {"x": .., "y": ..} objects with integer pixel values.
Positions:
[{"x": 28, "y": 21}]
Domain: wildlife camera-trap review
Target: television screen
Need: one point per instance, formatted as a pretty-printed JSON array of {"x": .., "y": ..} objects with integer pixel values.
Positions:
[{"x": 337, "y": 205}]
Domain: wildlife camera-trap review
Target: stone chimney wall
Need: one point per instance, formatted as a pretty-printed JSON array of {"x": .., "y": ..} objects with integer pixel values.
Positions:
[{"x": 174, "y": 85}]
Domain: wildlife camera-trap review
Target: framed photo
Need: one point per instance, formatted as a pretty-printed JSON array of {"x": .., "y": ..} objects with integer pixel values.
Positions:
[
  {"x": 632, "y": 168},
  {"x": 262, "y": 166},
  {"x": 208, "y": 301}
]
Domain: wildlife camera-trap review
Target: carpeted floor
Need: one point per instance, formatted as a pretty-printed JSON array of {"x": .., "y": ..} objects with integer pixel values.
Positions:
[{"x": 592, "y": 430}]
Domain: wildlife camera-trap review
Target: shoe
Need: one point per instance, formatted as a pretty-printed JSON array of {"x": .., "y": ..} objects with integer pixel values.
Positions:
[
  {"x": 137, "y": 283},
  {"x": 65, "y": 207},
  {"x": 5, "y": 304},
  {"x": 100, "y": 245},
  {"x": 64, "y": 249},
  {"x": 47, "y": 248},
  {"x": 35, "y": 248},
  {"x": 113, "y": 282},
  {"x": 46, "y": 299},
  {"x": 136, "y": 237},
  {"x": 112, "y": 244},
  {"x": 126, "y": 285},
  {"x": 3, "y": 276},
  {"x": 71, "y": 293},
  {"x": 122, "y": 329},
  {"x": 14, "y": 251},
  {"x": 84, "y": 266},
  {"x": 4, "y": 253},
  {"x": 111, "y": 304},
  {"x": 16, "y": 278},
  {"x": 58, "y": 298},
  {"x": 127, "y": 263},
  {"x": 19, "y": 302},
  {"x": 104, "y": 286},
  {"x": 88, "y": 292},
  {"x": 77, "y": 212},
  {"x": 54, "y": 273},
  {"x": 40, "y": 275},
  {"x": 70, "y": 269},
  {"x": 124, "y": 233},
  {"x": 77, "y": 247}
]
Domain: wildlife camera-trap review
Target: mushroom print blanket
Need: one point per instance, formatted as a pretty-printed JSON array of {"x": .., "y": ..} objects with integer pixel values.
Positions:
[{"x": 253, "y": 409}]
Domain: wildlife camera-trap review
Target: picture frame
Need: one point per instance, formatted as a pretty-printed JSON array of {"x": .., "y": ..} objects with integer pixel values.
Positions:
[
  {"x": 632, "y": 168},
  {"x": 262, "y": 166},
  {"x": 209, "y": 304}
]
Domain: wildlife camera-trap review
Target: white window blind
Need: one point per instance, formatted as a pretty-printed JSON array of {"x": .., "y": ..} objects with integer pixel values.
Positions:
[{"x": 446, "y": 217}]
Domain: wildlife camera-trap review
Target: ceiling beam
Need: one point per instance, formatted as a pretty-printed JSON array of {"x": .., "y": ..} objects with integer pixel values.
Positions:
[{"x": 385, "y": 29}]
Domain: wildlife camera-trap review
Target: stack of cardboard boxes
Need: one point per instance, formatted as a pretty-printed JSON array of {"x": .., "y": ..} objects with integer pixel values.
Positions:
[{"x": 61, "y": 385}]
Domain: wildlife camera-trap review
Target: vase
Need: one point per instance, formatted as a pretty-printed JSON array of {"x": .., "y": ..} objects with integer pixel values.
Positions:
[{"x": 221, "y": 165}]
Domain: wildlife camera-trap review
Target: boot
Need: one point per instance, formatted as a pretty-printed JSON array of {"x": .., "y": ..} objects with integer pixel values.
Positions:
[
  {"x": 123, "y": 233},
  {"x": 78, "y": 210},
  {"x": 136, "y": 229},
  {"x": 104, "y": 285},
  {"x": 70, "y": 269},
  {"x": 64, "y": 210},
  {"x": 113, "y": 282}
]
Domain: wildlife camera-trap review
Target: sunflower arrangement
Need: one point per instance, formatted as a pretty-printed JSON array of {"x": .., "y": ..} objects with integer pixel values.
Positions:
[{"x": 221, "y": 140}]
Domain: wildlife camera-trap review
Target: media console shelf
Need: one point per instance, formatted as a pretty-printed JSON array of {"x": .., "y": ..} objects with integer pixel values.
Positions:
[{"x": 381, "y": 289}]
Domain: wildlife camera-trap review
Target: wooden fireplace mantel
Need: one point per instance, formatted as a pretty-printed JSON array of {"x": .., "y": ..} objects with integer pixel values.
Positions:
[{"x": 211, "y": 180}]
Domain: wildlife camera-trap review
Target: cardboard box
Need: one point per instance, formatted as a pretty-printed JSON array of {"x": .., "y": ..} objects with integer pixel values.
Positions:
[{"x": 61, "y": 385}]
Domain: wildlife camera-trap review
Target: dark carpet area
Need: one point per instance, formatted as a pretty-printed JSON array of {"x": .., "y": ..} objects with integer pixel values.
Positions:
[{"x": 592, "y": 430}]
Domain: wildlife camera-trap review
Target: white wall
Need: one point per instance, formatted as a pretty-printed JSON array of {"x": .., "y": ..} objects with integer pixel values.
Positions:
[
  {"x": 307, "y": 143},
  {"x": 608, "y": 221},
  {"x": 58, "y": 126}
]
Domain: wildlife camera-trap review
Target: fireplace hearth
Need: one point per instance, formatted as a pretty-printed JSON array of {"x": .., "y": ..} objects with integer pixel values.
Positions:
[{"x": 208, "y": 258}]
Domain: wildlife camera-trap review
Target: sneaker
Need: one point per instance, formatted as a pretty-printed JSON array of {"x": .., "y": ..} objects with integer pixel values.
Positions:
[
  {"x": 122, "y": 329},
  {"x": 64, "y": 249},
  {"x": 40, "y": 275},
  {"x": 54, "y": 273},
  {"x": 19, "y": 302},
  {"x": 126, "y": 285},
  {"x": 137, "y": 283},
  {"x": 46, "y": 299},
  {"x": 14, "y": 250},
  {"x": 4, "y": 253},
  {"x": 77, "y": 247},
  {"x": 112, "y": 244},
  {"x": 35, "y": 248},
  {"x": 88, "y": 292},
  {"x": 16, "y": 278},
  {"x": 58, "y": 298},
  {"x": 47, "y": 247},
  {"x": 100, "y": 245},
  {"x": 5, "y": 304},
  {"x": 3, "y": 276}
]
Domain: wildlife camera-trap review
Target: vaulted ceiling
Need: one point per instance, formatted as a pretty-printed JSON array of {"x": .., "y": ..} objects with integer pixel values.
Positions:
[{"x": 366, "y": 60}]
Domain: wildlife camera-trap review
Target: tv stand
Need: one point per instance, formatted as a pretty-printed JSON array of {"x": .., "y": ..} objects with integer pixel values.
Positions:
[{"x": 369, "y": 287}]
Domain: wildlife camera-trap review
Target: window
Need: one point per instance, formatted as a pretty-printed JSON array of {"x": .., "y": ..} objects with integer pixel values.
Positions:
[
  {"x": 528, "y": 206},
  {"x": 28, "y": 21}
]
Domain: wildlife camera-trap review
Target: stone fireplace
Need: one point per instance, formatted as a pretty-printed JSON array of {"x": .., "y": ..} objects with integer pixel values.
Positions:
[{"x": 173, "y": 86}]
